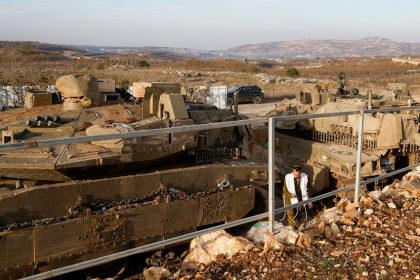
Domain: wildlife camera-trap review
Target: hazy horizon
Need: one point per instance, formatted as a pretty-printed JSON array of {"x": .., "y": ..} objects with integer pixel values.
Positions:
[{"x": 204, "y": 25}]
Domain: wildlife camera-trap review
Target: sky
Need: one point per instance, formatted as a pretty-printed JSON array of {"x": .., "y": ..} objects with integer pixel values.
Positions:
[{"x": 206, "y": 25}]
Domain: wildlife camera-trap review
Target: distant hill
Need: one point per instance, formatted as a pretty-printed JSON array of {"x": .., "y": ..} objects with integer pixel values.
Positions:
[
  {"x": 366, "y": 47},
  {"x": 36, "y": 47},
  {"x": 373, "y": 46}
]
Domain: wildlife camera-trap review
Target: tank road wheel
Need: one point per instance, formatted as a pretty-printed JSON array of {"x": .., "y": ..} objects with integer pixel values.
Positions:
[
  {"x": 229, "y": 101},
  {"x": 257, "y": 99}
]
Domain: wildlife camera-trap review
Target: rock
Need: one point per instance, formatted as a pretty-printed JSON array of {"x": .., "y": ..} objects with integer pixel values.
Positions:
[
  {"x": 258, "y": 232},
  {"x": 204, "y": 249},
  {"x": 328, "y": 233},
  {"x": 389, "y": 243},
  {"x": 287, "y": 235},
  {"x": 378, "y": 235},
  {"x": 391, "y": 205},
  {"x": 357, "y": 230},
  {"x": 368, "y": 212},
  {"x": 308, "y": 225},
  {"x": 412, "y": 237},
  {"x": 334, "y": 228},
  {"x": 368, "y": 203},
  {"x": 416, "y": 193},
  {"x": 412, "y": 184},
  {"x": 383, "y": 272},
  {"x": 406, "y": 194},
  {"x": 304, "y": 241},
  {"x": 389, "y": 193},
  {"x": 343, "y": 203},
  {"x": 336, "y": 253},
  {"x": 320, "y": 228},
  {"x": 156, "y": 273},
  {"x": 386, "y": 188},
  {"x": 353, "y": 205},
  {"x": 346, "y": 221},
  {"x": 330, "y": 216},
  {"x": 351, "y": 213},
  {"x": 271, "y": 243}
]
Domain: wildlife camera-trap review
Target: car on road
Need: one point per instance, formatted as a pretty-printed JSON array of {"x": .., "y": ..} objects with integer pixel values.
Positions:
[{"x": 246, "y": 93}]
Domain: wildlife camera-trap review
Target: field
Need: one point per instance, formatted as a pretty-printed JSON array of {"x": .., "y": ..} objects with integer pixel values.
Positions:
[{"x": 29, "y": 64}]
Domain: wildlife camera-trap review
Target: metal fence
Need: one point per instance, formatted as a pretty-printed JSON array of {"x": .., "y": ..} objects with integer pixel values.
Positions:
[{"x": 271, "y": 172}]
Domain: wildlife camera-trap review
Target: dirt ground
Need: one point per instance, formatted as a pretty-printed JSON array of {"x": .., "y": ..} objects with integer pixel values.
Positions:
[{"x": 382, "y": 245}]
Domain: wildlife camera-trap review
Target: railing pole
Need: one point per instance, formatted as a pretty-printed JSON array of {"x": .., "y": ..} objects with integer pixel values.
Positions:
[
  {"x": 359, "y": 154},
  {"x": 271, "y": 172}
]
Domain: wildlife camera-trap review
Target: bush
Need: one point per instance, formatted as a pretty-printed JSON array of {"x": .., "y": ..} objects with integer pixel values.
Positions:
[
  {"x": 124, "y": 83},
  {"x": 142, "y": 64},
  {"x": 292, "y": 72},
  {"x": 100, "y": 65},
  {"x": 26, "y": 49},
  {"x": 43, "y": 80}
]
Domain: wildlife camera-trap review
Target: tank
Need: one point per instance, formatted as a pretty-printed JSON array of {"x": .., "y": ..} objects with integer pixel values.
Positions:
[
  {"x": 88, "y": 160},
  {"x": 65, "y": 204},
  {"x": 54, "y": 225},
  {"x": 326, "y": 147}
]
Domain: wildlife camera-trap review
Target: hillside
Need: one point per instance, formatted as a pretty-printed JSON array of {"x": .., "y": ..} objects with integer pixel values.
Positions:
[
  {"x": 373, "y": 46},
  {"x": 285, "y": 50}
]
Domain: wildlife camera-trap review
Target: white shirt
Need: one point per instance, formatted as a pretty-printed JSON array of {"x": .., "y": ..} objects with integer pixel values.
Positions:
[{"x": 290, "y": 184}]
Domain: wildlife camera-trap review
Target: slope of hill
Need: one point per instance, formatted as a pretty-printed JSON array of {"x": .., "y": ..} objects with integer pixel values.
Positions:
[
  {"x": 29, "y": 47},
  {"x": 373, "y": 46},
  {"x": 366, "y": 47}
]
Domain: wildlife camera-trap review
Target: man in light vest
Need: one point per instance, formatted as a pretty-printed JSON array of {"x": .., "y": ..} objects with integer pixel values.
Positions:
[{"x": 295, "y": 189}]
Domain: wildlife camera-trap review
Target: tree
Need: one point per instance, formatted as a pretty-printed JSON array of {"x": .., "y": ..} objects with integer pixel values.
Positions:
[
  {"x": 26, "y": 49},
  {"x": 43, "y": 80},
  {"x": 292, "y": 72},
  {"x": 142, "y": 64},
  {"x": 124, "y": 83}
]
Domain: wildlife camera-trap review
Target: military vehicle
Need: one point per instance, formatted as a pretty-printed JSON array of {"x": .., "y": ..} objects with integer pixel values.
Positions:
[
  {"x": 326, "y": 147},
  {"x": 87, "y": 160},
  {"x": 69, "y": 203},
  {"x": 54, "y": 225}
]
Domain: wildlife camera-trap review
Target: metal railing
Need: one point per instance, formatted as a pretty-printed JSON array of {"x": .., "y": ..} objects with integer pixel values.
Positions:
[{"x": 271, "y": 182}]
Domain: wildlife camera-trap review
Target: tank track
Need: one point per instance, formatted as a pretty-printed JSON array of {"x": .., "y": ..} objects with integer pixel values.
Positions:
[{"x": 160, "y": 196}]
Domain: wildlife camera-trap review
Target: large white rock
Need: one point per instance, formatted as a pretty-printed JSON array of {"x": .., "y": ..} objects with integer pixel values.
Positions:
[
  {"x": 204, "y": 249},
  {"x": 287, "y": 235},
  {"x": 260, "y": 232}
]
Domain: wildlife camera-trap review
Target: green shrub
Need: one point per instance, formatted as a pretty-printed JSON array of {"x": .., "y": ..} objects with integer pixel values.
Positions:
[{"x": 292, "y": 72}]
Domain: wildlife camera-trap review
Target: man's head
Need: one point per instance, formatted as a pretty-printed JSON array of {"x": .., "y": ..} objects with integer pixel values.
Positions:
[{"x": 296, "y": 171}]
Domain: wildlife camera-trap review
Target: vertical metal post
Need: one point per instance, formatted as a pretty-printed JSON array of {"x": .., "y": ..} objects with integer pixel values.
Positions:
[
  {"x": 235, "y": 103},
  {"x": 359, "y": 154},
  {"x": 271, "y": 172}
]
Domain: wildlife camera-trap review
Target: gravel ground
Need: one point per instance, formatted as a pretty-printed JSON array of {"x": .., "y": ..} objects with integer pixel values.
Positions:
[{"x": 384, "y": 244}]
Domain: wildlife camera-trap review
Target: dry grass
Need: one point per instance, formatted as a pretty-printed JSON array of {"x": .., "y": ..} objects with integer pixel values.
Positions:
[{"x": 29, "y": 68}]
